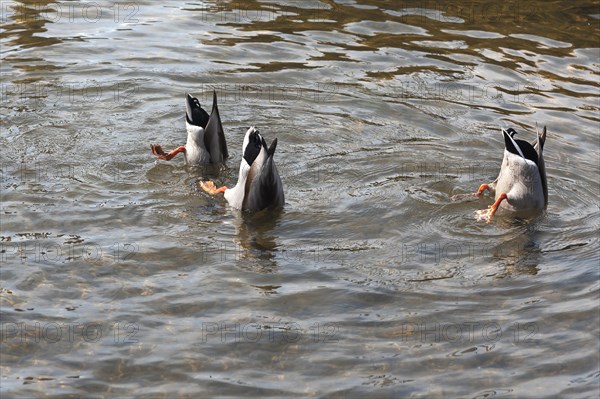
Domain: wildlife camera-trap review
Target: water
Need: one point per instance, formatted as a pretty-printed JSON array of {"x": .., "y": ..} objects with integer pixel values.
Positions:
[{"x": 120, "y": 278}]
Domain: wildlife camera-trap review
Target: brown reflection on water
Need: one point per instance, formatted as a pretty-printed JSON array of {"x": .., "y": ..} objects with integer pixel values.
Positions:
[
  {"x": 256, "y": 239},
  {"x": 28, "y": 22}
]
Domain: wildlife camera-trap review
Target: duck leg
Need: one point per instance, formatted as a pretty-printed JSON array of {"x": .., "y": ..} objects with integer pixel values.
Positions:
[
  {"x": 471, "y": 196},
  {"x": 159, "y": 152},
  {"x": 482, "y": 188},
  {"x": 210, "y": 187},
  {"x": 486, "y": 214}
]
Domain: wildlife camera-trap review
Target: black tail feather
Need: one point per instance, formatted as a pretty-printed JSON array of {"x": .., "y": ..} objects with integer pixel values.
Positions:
[
  {"x": 214, "y": 137},
  {"x": 272, "y": 148}
]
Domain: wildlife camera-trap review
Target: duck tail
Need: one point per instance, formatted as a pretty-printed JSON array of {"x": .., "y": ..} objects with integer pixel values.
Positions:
[{"x": 272, "y": 148}]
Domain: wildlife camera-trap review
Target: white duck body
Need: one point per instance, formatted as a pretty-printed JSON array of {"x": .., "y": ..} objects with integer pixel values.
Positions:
[
  {"x": 235, "y": 195},
  {"x": 522, "y": 175},
  {"x": 205, "y": 138},
  {"x": 259, "y": 185},
  {"x": 195, "y": 150}
]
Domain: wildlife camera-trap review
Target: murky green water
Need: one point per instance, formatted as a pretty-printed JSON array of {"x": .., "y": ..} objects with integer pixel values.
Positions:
[{"x": 119, "y": 278}]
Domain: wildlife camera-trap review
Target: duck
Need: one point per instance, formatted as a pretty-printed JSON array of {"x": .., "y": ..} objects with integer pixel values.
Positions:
[
  {"x": 521, "y": 185},
  {"x": 259, "y": 185},
  {"x": 205, "y": 137}
]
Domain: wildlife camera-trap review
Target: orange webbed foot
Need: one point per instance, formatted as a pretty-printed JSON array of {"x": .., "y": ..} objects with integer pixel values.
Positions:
[
  {"x": 210, "y": 187},
  {"x": 486, "y": 214},
  {"x": 158, "y": 151},
  {"x": 161, "y": 154}
]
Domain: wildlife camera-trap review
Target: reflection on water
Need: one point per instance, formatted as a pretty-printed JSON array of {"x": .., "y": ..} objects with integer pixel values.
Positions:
[
  {"x": 527, "y": 254},
  {"x": 255, "y": 230},
  {"x": 371, "y": 282},
  {"x": 255, "y": 239},
  {"x": 24, "y": 23}
]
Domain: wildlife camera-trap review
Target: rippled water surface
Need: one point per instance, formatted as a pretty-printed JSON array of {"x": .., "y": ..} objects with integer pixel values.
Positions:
[{"x": 120, "y": 278}]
